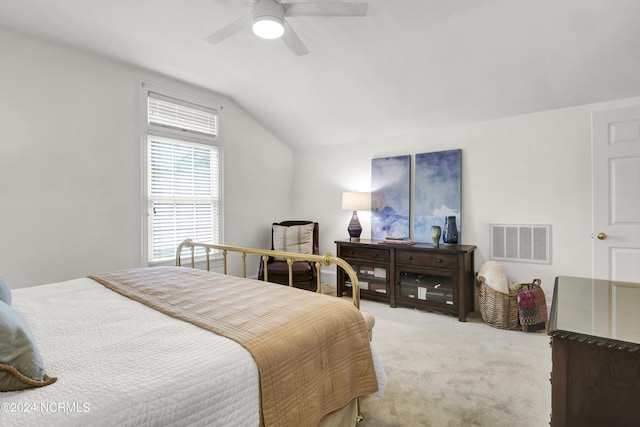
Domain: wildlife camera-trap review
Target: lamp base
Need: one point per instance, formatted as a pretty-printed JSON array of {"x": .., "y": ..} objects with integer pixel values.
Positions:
[{"x": 354, "y": 229}]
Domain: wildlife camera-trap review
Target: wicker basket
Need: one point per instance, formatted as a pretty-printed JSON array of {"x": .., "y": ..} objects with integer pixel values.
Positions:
[{"x": 499, "y": 309}]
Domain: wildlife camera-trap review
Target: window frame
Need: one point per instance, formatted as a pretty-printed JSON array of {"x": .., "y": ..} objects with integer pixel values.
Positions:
[{"x": 197, "y": 139}]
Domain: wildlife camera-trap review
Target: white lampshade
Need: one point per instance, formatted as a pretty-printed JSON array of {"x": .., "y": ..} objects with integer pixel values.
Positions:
[
  {"x": 355, "y": 201},
  {"x": 268, "y": 19}
]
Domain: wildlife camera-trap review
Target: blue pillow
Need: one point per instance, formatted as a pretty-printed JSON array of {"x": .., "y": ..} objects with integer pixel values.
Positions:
[
  {"x": 20, "y": 364},
  {"x": 5, "y": 292}
]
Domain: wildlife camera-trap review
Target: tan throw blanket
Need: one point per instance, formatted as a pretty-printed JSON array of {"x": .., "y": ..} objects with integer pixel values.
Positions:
[{"x": 312, "y": 350}]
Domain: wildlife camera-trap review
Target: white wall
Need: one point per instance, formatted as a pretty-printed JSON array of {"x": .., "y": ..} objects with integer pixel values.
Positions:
[
  {"x": 70, "y": 164},
  {"x": 70, "y": 171},
  {"x": 530, "y": 169}
]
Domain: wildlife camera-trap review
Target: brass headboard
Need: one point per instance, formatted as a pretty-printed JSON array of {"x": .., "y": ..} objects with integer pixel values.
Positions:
[{"x": 318, "y": 260}]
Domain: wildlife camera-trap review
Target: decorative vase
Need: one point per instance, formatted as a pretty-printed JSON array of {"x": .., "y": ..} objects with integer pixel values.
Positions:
[
  {"x": 436, "y": 232},
  {"x": 450, "y": 234}
]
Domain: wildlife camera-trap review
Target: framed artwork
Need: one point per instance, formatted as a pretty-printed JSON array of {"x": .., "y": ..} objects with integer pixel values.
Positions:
[
  {"x": 390, "y": 197},
  {"x": 437, "y": 192}
]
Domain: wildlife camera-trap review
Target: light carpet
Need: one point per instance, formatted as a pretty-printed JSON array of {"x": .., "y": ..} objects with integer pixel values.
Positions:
[{"x": 442, "y": 372}]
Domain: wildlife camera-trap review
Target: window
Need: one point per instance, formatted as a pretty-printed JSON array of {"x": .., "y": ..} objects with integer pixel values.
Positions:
[{"x": 182, "y": 173}]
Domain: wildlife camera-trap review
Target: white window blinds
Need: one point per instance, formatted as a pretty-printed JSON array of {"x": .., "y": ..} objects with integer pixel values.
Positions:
[
  {"x": 183, "y": 195},
  {"x": 176, "y": 114},
  {"x": 183, "y": 175}
]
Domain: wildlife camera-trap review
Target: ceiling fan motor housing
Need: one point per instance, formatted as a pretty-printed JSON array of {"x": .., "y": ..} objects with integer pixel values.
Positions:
[
  {"x": 268, "y": 19},
  {"x": 267, "y": 12}
]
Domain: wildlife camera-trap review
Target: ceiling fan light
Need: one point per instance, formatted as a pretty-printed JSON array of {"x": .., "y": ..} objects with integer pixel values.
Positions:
[{"x": 268, "y": 27}]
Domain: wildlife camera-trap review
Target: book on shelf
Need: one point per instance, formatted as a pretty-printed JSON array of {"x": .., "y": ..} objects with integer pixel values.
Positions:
[
  {"x": 441, "y": 296},
  {"x": 366, "y": 270},
  {"x": 361, "y": 284},
  {"x": 397, "y": 241},
  {"x": 378, "y": 287}
]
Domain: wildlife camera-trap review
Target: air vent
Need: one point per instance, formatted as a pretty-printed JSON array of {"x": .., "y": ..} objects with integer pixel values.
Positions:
[{"x": 521, "y": 243}]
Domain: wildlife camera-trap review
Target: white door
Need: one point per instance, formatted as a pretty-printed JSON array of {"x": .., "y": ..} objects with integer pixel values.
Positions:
[{"x": 616, "y": 194}]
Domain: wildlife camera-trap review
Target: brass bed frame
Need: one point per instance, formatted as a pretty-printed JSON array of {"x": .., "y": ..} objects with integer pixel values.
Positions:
[{"x": 318, "y": 260}]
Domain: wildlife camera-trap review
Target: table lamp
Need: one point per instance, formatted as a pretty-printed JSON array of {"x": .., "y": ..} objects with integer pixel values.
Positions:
[{"x": 355, "y": 201}]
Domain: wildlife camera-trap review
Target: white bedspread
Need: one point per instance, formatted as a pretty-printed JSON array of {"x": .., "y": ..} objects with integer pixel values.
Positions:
[{"x": 174, "y": 374}]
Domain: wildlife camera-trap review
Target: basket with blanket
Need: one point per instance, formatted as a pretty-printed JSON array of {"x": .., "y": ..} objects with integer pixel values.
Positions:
[{"x": 509, "y": 305}]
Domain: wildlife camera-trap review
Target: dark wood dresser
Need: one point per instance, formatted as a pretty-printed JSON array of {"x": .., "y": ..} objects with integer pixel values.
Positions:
[
  {"x": 595, "y": 339},
  {"x": 417, "y": 275}
]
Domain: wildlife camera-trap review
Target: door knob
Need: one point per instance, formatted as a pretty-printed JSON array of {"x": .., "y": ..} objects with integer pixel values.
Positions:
[{"x": 602, "y": 236}]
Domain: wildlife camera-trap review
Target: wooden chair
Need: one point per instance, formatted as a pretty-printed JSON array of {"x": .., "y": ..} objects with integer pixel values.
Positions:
[{"x": 293, "y": 236}]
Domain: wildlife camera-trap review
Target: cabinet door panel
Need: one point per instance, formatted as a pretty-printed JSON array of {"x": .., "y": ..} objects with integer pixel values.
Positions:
[{"x": 425, "y": 286}]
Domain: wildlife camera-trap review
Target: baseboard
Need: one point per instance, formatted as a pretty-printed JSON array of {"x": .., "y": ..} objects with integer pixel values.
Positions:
[{"x": 329, "y": 277}]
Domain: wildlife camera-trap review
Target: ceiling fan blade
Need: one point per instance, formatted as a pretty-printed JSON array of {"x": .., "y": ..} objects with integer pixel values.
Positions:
[
  {"x": 231, "y": 29},
  {"x": 325, "y": 9},
  {"x": 292, "y": 40}
]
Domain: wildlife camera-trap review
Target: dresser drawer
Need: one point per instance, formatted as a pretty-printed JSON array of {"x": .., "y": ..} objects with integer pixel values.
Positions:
[
  {"x": 371, "y": 254},
  {"x": 426, "y": 259}
]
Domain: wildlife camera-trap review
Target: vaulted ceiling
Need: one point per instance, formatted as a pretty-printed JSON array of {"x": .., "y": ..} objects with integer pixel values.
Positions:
[{"x": 408, "y": 66}]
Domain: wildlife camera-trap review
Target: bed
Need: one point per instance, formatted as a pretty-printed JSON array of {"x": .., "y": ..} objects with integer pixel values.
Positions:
[{"x": 119, "y": 359}]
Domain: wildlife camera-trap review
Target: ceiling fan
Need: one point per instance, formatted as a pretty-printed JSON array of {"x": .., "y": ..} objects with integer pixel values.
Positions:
[{"x": 268, "y": 20}]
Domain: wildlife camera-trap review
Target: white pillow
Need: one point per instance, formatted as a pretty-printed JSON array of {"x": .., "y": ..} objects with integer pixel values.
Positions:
[
  {"x": 493, "y": 275},
  {"x": 295, "y": 238}
]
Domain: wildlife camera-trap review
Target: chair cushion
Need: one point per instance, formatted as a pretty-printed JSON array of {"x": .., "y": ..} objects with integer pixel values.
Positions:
[
  {"x": 300, "y": 269},
  {"x": 294, "y": 238},
  {"x": 302, "y": 274}
]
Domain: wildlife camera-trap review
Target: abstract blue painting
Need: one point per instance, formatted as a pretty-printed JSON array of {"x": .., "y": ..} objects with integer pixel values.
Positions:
[
  {"x": 390, "y": 197},
  {"x": 437, "y": 192}
]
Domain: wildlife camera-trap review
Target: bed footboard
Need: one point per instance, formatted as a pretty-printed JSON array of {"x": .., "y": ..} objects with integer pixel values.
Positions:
[{"x": 318, "y": 260}]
